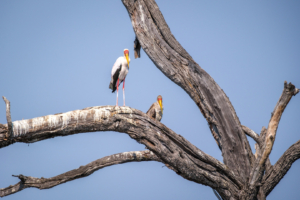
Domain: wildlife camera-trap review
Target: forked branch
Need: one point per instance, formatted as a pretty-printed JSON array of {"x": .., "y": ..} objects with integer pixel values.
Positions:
[{"x": 82, "y": 171}]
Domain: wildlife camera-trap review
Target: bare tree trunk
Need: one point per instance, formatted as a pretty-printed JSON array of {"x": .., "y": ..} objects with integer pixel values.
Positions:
[
  {"x": 242, "y": 176},
  {"x": 171, "y": 58}
]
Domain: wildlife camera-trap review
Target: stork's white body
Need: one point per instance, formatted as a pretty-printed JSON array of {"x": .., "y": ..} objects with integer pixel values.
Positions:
[
  {"x": 118, "y": 74},
  {"x": 121, "y": 62}
]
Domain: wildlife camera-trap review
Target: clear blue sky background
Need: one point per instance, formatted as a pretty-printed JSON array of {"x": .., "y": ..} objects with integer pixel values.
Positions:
[{"x": 56, "y": 56}]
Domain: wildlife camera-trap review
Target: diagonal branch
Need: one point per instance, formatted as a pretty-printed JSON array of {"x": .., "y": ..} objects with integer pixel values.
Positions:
[
  {"x": 171, "y": 58},
  {"x": 172, "y": 149},
  {"x": 82, "y": 171},
  {"x": 282, "y": 166},
  {"x": 257, "y": 172},
  {"x": 251, "y": 134}
]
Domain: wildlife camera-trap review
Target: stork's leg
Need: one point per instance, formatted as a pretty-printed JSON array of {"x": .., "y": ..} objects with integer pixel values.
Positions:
[
  {"x": 117, "y": 91},
  {"x": 124, "y": 91}
]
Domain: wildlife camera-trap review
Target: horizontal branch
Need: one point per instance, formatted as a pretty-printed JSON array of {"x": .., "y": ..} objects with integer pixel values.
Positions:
[
  {"x": 173, "y": 150},
  {"x": 82, "y": 171},
  {"x": 282, "y": 166}
]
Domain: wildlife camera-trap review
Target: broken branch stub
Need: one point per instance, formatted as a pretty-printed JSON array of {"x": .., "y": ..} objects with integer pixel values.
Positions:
[{"x": 8, "y": 118}]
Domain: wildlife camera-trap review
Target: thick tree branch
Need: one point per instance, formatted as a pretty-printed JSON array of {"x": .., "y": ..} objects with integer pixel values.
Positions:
[
  {"x": 172, "y": 59},
  {"x": 172, "y": 149},
  {"x": 8, "y": 118},
  {"x": 263, "y": 155},
  {"x": 82, "y": 171},
  {"x": 282, "y": 166}
]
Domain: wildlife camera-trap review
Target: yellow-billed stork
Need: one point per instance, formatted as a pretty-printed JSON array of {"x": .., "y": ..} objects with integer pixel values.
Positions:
[
  {"x": 156, "y": 109},
  {"x": 119, "y": 72}
]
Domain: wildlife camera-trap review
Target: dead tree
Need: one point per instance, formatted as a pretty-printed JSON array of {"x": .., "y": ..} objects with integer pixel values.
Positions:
[{"x": 242, "y": 175}]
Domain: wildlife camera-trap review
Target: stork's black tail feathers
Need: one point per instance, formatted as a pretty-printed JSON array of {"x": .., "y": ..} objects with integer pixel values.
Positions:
[
  {"x": 114, "y": 79},
  {"x": 112, "y": 85}
]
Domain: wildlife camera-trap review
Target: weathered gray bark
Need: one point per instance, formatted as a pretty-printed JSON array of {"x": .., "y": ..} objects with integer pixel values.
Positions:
[
  {"x": 242, "y": 176},
  {"x": 173, "y": 150},
  {"x": 82, "y": 171}
]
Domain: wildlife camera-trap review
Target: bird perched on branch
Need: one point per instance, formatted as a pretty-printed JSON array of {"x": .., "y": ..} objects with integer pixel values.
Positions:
[
  {"x": 156, "y": 109},
  {"x": 119, "y": 72}
]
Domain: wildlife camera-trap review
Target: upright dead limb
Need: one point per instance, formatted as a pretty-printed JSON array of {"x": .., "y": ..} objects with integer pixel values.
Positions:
[
  {"x": 257, "y": 172},
  {"x": 8, "y": 118},
  {"x": 288, "y": 91}
]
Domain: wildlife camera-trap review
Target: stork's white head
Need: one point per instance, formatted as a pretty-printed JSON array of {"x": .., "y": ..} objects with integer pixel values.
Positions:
[{"x": 126, "y": 55}]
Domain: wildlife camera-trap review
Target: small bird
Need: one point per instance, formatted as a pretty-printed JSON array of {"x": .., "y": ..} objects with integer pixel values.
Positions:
[
  {"x": 119, "y": 72},
  {"x": 156, "y": 109}
]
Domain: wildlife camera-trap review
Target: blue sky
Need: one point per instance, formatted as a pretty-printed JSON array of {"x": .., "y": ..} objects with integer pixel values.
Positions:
[{"x": 56, "y": 56}]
